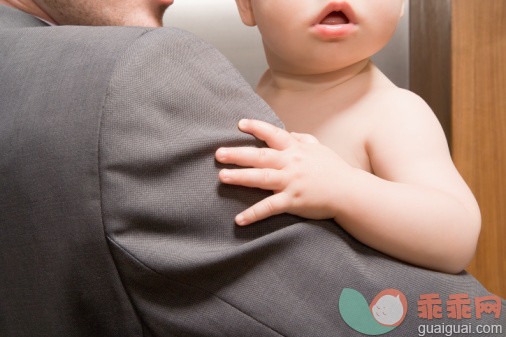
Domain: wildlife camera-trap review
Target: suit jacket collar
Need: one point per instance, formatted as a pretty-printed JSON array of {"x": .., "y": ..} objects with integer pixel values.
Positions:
[{"x": 13, "y": 18}]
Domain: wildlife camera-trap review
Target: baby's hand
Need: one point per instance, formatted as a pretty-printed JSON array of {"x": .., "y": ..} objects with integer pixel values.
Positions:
[{"x": 308, "y": 179}]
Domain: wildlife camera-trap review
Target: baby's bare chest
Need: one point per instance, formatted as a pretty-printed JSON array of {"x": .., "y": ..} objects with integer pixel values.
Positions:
[
  {"x": 346, "y": 135},
  {"x": 349, "y": 142},
  {"x": 345, "y": 127}
]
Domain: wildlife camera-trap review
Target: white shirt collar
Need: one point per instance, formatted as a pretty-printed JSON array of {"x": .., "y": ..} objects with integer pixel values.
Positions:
[{"x": 45, "y": 21}]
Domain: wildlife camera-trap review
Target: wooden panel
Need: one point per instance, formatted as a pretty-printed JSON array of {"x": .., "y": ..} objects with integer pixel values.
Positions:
[
  {"x": 430, "y": 56},
  {"x": 479, "y": 125}
]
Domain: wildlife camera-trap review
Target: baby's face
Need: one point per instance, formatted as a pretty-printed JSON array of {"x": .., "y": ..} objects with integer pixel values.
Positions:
[{"x": 319, "y": 36}]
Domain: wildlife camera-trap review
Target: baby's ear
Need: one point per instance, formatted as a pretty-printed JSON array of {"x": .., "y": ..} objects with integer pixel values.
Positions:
[{"x": 246, "y": 11}]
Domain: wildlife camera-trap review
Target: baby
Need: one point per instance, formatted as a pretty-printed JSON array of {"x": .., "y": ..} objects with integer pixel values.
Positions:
[{"x": 361, "y": 151}]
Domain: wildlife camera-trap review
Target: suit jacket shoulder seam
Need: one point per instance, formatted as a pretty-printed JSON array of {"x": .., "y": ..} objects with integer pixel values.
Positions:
[{"x": 99, "y": 165}]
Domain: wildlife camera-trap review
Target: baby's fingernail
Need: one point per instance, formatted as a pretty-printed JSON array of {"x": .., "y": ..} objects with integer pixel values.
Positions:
[
  {"x": 225, "y": 175},
  {"x": 240, "y": 220},
  {"x": 242, "y": 123},
  {"x": 221, "y": 153}
]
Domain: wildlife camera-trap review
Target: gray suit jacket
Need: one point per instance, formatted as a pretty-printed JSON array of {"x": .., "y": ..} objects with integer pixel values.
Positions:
[{"x": 113, "y": 221}]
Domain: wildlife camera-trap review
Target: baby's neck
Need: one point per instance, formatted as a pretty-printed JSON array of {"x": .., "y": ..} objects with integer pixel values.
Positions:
[
  {"x": 274, "y": 80},
  {"x": 305, "y": 103}
]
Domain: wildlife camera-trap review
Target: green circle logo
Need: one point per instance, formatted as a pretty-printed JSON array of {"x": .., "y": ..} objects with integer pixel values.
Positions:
[{"x": 386, "y": 312}]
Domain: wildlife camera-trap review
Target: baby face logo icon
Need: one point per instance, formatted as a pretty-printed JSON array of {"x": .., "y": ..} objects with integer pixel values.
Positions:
[
  {"x": 389, "y": 307},
  {"x": 386, "y": 312}
]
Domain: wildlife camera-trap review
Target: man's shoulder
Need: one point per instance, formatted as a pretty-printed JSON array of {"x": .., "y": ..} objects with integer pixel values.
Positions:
[
  {"x": 79, "y": 51},
  {"x": 24, "y": 34},
  {"x": 57, "y": 37},
  {"x": 112, "y": 35},
  {"x": 91, "y": 40}
]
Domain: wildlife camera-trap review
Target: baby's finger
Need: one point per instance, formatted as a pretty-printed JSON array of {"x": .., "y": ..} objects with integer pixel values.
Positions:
[
  {"x": 305, "y": 138},
  {"x": 275, "y": 204},
  {"x": 266, "y": 179},
  {"x": 250, "y": 157},
  {"x": 275, "y": 137}
]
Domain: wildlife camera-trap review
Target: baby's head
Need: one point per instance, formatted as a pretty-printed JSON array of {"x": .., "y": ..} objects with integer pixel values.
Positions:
[{"x": 320, "y": 36}]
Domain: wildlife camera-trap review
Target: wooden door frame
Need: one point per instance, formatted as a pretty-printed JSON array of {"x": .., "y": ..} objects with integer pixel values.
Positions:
[
  {"x": 430, "y": 57},
  {"x": 458, "y": 65}
]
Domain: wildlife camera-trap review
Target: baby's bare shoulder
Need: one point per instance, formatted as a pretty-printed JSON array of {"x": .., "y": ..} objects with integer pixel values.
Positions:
[
  {"x": 394, "y": 101},
  {"x": 407, "y": 138},
  {"x": 403, "y": 113}
]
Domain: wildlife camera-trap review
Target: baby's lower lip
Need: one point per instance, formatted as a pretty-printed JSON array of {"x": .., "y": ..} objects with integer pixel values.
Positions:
[{"x": 333, "y": 31}]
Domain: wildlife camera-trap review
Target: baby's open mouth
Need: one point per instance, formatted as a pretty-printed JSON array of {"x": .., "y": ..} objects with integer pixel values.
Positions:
[
  {"x": 336, "y": 21},
  {"x": 335, "y": 18}
]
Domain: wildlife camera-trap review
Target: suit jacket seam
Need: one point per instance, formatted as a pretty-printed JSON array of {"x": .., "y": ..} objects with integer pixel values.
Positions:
[
  {"x": 126, "y": 251},
  {"x": 99, "y": 165}
]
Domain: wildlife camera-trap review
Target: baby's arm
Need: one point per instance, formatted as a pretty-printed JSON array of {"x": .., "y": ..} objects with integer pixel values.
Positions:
[{"x": 416, "y": 208}]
